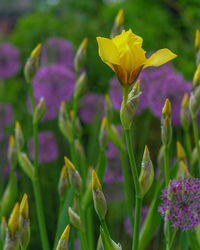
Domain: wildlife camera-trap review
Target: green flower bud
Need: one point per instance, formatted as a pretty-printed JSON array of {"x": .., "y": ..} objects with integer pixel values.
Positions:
[
  {"x": 11, "y": 243},
  {"x": 63, "y": 242},
  {"x": 75, "y": 219},
  {"x": 39, "y": 111},
  {"x": 65, "y": 123},
  {"x": 19, "y": 137},
  {"x": 79, "y": 86},
  {"x": 100, "y": 204},
  {"x": 160, "y": 158},
  {"x": 32, "y": 64},
  {"x": 147, "y": 173},
  {"x": 108, "y": 108},
  {"x": 26, "y": 165},
  {"x": 13, "y": 222},
  {"x": 12, "y": 153},
  {"x": 180, "y": 151},
  {"x": 114, "y": 137},
  {"x": 63, "y": 184},
  {"x": 183, "y": 171},
  {"x": 74, "y": 177},
  {"x": 166, "y": 128},
  {"x": 100, "y": 244},
  {"x": 129, "y": 106},
  {"x": 103, "y": 135},
  {"x": 185, "y": 113},
  {"x": 79, "y": 58},
  {"x": 194, "y": 102},
  {"x": 9, "y": 195}
]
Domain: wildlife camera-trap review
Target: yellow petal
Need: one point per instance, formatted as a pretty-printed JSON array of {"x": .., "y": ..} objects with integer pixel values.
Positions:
[
  {"x": 108, "y": 51},
  {"x": 160, "y": 57}
]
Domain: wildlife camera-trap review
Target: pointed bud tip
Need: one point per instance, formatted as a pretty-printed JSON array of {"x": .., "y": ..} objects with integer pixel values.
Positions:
[
  {"x": 12, "y": 141},
  {"x": 119, "y": 20},
  {"x": 167, "y": 108},
  {"x": 180, "y": 151},
  {"x": 23, "y": 209},
  {"x": 13, "y": 222},
  {"x": 95, "y": 181},
  {"x": 17, "y": 124},
  {"x": 69, "y": 164},
  {"x": 36, "y": 52},
  {"x": 65, "y": 234},
  {"x": 184, "y": 103}
]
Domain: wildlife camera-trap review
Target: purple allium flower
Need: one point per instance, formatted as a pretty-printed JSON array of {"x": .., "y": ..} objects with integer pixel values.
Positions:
[
  {"x": 47, "y": 147},
  {"x": 9, "y": 60},
  {"x": 181, "y": 203},
  {"x": 56, "y": 84},
  {"x": 91, "y": 104},
  {"x": 58, "y": 51},
  {"x": 127, "y": 224},
  {"x": 157, "y": 84}
]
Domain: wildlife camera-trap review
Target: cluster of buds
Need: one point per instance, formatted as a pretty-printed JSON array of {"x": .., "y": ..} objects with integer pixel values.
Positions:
[
  {"x": 80, "y": 56},
  {"x": 166, "y": 128},
  {"x": 32, "y": 63},
  {"x": 64, "y": 239},
  {"x": 147, "y": 173},
  {"x": 74, "y": 177},
  {"x": 129, "y": 105},
  {"x": 118, "y": 24},
  {"x": 100, "y": 204},
  {"x": 185, "y": 113}
]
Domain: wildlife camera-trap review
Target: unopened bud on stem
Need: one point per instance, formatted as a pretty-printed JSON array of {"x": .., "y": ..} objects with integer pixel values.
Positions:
[
  {"x": 39, "y": 111},
  {"x": 12, "y": 153},
  {"x": 75, "y": 219},
  {"x": 185, "y": 113},
  {"x": 19, "y": 137},
  {"x": 79, "y": 58},
  {"x": 63, "y": 241}
]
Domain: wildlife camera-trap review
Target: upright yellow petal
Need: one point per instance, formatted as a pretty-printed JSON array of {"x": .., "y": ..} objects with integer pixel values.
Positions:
[
  {"x": 160, "y": 57},
  {"x": 108, "y": 51}
]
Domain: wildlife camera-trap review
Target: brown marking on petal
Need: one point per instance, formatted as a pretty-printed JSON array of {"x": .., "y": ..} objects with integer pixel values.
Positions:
[
  {"x": 121, "y": 74},
  {"x": 134, "y": 75}
]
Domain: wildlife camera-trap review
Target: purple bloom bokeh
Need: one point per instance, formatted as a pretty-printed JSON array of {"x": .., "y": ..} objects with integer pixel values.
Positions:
[
  {"x": 90, "y": 105},
  {"x": 157, "y": 84},
  {"x": 127, "y": 224},
  {"x": 58, "y": 51},
  {"x": 9, "y": 60},
  {"x": 47, "y": 147},
  {"x": 56, "y": 84},
  {"x": 181, "y": 204}
]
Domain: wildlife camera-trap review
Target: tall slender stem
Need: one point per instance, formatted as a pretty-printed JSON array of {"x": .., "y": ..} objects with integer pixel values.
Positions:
[
  {"x": 136, "y": 183},
  {"x": 35, "y": 182},
  {"x": 189, "y": 150},
  {"x": 196, "y": 137},
  {"x": 83, "y": 235},
  {"x": 167, "y": 178}
]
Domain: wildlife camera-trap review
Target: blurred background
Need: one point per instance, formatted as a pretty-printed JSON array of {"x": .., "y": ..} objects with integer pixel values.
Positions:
[{"x": 61, "y": 26}]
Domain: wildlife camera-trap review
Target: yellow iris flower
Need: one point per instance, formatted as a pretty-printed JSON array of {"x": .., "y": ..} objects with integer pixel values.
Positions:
[{"x": 126, "y": 57}]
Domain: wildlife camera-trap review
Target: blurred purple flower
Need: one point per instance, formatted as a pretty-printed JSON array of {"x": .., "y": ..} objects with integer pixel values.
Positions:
[
  {"x": 181, "y": 204},
  {"x": 156, "y": 85},
  {"x": 55, "y": 83},
  {"x": 47, "y": 147},
  {"x": 58, "y": 51},
  {"x": 91, "y": 104},
  {"x": 127, "y": 224},
  {"x": 9, "y": 60}
]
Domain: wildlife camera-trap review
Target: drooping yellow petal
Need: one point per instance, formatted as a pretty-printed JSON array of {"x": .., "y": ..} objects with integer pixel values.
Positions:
[
  {"x": 160, "y": 57},
  {"x": 108, "y": 51}
]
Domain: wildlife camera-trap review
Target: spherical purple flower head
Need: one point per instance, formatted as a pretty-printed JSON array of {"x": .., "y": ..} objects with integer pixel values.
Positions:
[
  {"x": 47, "y": 147},
  {"x": 127, "y": 223},
  {"x": 56, "y": 84},
  {"x": 9, "y": 60},
  {"x": 164, "y": 82},
  {"x": 115, "y": 93},
  {"x": 181, "y": 203},
  {"x": 91, "y": 105},
  {"x": 58, "y": 51},
  {"x": 6, "y": 117}
]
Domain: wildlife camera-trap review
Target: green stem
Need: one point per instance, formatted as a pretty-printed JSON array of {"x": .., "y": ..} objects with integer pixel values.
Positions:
[
  {"x": 196, "y": 137},
  {"x": 127, "y": 187},
  {"x": 166, "y": 164},
  {"x": 90, "y": 227},
  {"x": 82, "y": 233},
  {"x": 189, "y": 150},
  {"x": 105, "y": 228},
  {"x": 137, "y": 190},
  {"x": 35, "y": 182},
  {"x": 167, "y": 178}
]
